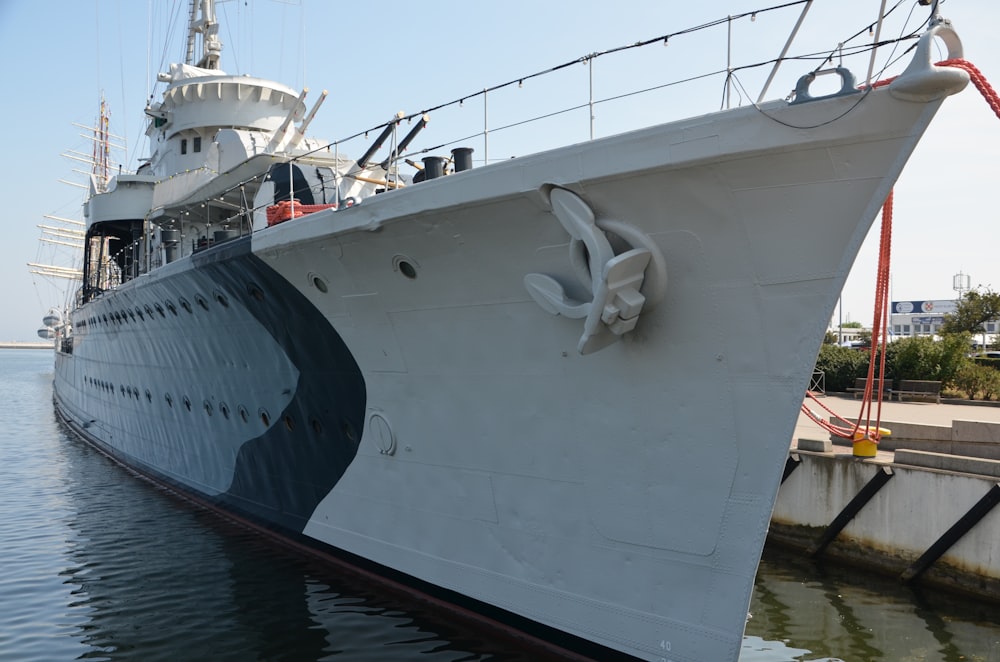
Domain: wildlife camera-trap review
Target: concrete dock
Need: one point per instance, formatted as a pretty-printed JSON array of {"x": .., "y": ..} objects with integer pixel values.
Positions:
[{"x": 922, "y": 509}]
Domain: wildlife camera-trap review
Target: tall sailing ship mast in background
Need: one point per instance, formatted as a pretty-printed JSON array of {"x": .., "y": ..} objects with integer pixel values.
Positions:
[{"x": 66, "y": 236}]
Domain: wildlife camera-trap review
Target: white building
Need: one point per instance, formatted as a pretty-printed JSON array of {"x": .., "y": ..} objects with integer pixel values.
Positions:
[
  {"x": 919, "y": 318},
  {"x": 924, "y": 318}
]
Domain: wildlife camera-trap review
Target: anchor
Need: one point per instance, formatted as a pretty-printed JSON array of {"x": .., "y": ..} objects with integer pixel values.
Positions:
[{"x": 615, "y": 280}]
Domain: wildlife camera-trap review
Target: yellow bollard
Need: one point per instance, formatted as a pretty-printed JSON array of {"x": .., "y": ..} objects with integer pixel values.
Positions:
[{"x": 863, "y": 444}]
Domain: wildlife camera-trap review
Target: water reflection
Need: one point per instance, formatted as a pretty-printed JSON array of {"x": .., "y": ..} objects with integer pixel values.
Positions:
[
  {"x": 156, "y": 578},
  {"x": 842, "y": 613}
]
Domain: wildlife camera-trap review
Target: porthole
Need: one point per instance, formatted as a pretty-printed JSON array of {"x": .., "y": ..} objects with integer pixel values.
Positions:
[
  {"x": 187, "y": 403},
  {"x": 317, "y": 428},
  {"x": 159, "y": 309},
  {"x": 348, "y": 431},
  {"x": 318, "y": 283},
  {"x": 208, "y": 407},
  {"x": 221, "y": 298},
  {"x": 131, "y": 314},
  {"x": 169, "y": 399},
  {"x": 265, "y": 418},
  {"x": 138, "y": 311},
  {"x": 149, "y": 311},
  {"x": 255, "y": 291},
  {"x": 185, "y": 304},
  {"x": 405, "y": 266},
  {"x": 224, "y": 410},
  {"x": 201, "y": 301},
  {"x": 289, "y": 423},
  {"x": 170, "y": 306},
  {"x": 149, "y": 396},
  {"x": 121, "y": 387},
  {"x": 244, "y": 414}
]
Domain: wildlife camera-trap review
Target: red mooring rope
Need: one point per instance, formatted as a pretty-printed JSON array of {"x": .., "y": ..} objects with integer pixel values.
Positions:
[{"x": 880, "y": 316}]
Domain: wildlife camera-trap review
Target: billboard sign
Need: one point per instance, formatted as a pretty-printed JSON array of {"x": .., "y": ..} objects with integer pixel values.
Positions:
[{"x": 927, "y": 307}]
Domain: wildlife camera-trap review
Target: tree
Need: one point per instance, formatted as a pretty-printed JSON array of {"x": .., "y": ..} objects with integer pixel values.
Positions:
[
  {"x": 851, "y": 325},
  {"x": 972, "y": 311},
  {"x": 830, "y": 338}
]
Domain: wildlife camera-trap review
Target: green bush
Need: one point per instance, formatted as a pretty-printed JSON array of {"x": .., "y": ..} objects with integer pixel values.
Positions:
[
  {"x": 973, "y": 380},
  {"x": 988, "y": 362},
  {"x": 919, "y": 357},
  {"x": 924, "y": 358},
  {"x": 841, "y": 365}
]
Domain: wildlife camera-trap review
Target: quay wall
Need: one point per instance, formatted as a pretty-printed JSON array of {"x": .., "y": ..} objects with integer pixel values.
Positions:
[{"x": 908, "y": 515}]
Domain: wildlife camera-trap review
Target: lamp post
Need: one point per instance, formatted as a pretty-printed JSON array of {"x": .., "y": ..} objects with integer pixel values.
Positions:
[{"x": 840, "y": 320}]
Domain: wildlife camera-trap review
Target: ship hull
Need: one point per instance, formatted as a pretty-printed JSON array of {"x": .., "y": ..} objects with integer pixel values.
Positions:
[{"x": 380, "y": 380}]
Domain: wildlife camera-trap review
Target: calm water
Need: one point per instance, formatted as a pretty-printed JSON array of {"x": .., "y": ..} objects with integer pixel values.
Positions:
[{"x": 96, "y": 563}]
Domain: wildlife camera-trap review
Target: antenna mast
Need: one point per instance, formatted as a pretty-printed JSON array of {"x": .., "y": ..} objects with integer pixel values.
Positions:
[{"x": 208, "y": 28}]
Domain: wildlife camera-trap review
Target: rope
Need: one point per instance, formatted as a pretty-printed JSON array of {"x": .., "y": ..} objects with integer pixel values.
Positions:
[
  {"x": 880, "y": 316},
  {"x": 979, "y": 80},
  {"x": 975, "y": 75},
  {"x": 879, "y": 340}
]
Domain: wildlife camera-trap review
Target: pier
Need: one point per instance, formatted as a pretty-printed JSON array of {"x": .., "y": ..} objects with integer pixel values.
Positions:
[
  {"x": 14, "y": 344},
  {"x": 922, "y": 510}
]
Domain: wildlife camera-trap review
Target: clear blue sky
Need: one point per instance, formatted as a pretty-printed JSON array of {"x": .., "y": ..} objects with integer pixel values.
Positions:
[{"x": 60, "y": 56}]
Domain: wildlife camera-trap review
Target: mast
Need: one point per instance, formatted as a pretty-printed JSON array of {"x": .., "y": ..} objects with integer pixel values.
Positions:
[
  {"x": 208, "y": 28},
  {"x": 102, "y": 147}
]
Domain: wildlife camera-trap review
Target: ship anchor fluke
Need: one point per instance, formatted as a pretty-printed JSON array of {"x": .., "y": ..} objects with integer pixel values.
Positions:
[{"x": 615, "y": 280}]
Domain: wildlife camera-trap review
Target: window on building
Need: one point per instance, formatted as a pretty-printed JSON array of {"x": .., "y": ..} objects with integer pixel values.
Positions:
[
  {"x": 991, "y": 327},
  {"x": 906, "y": 329},
  {"x": 197, "y": 144},
  {"x": 184, "y": 146},
  {"x": 895, "y": 329}
]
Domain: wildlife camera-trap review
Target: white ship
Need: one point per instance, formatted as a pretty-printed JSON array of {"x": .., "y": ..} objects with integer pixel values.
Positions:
[{"x": 513, "y": 387}]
